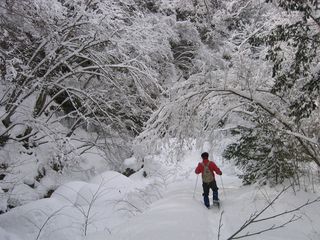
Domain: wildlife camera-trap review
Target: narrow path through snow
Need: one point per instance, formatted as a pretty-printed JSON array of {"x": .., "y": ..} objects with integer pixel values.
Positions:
[{"x": 178, "y": 215}]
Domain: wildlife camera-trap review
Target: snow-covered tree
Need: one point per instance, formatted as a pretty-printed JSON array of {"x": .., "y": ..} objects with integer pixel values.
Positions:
[
  {"x": 293, "y": 46},
  {"x": 76, "y": 76},
  {"x": 237, "y": 75},
  {"x": 222, "y": 60},
  {"x": 265, "y": 154}
]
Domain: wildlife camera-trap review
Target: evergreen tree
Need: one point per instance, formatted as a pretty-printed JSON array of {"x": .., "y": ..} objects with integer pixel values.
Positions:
[
  {"x": 293, "y": 49},
  {"x": 265, "y": 154}
]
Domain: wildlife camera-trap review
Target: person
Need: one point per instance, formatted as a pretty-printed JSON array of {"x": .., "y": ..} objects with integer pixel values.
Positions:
[{"x": 207, "y": 169}]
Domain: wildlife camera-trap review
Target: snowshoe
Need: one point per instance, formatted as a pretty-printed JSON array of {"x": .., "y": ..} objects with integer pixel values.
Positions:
[{"x": 216, "y": 203}]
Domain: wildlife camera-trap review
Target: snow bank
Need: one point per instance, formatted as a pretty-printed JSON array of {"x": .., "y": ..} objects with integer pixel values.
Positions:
[
  {"x": 111, "y": 179},
  {"x": 68, "y": 193},
  {"x": 112, "y": 206},
  {"x": 132, "y": 163},
  {"x": 7, "y": 236},
  {"x": 41, "y": 218},
  {"x": 74, "y": 209}
]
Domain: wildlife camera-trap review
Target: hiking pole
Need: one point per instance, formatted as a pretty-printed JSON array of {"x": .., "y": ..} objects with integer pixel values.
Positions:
[
  {"x": 224, "y": 191},
  {"x": 195, "y": 186}
]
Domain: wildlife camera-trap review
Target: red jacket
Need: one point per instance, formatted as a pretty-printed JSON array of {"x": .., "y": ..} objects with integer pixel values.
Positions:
[{"x": 212, "y": 166}]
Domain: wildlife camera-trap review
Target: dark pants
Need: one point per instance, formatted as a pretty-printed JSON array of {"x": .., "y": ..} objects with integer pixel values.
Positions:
[{"x": 206, "y": 188}]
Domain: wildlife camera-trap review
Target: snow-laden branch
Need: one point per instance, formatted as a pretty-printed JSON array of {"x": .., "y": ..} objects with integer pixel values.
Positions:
[
  {"x": 282, "y": 119},
  {"x": 313, "y": 140}
]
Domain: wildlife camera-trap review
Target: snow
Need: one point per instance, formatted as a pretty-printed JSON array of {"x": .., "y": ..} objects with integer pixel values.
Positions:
[
  {"x": 112, "y": 206},
  {"x": 7, "y": 236},
  {"x": 131, "y": 163},
  {"x": 3, "y": 201},
  {"x": 24, "y": 194},
  {"x": 180, "y": 216},
  {"x": 68, "y": 192},
  {"x": 163, "y": 199}
]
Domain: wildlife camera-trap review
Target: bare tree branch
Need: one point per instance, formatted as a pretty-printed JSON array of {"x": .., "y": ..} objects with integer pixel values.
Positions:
[{"x": 254, "y": 218}]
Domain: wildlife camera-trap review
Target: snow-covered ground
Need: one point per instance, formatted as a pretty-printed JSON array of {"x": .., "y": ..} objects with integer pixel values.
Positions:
[{"x": 161, "y": 206}]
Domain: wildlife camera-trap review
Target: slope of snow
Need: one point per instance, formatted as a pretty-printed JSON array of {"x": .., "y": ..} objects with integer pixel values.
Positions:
[
  {"x": 179, "y": 215},
  {"x": 165, "y": 205}
]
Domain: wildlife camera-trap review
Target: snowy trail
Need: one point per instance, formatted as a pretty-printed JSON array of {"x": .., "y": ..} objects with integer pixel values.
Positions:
[
  {"x": 180, "y": 216},
  {"x": 176, "y": 216}
]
